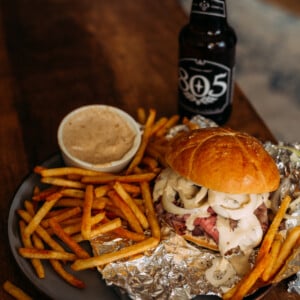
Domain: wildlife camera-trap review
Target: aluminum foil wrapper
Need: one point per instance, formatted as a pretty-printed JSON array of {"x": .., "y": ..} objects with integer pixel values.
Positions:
[{"x": 177, "y": 269}]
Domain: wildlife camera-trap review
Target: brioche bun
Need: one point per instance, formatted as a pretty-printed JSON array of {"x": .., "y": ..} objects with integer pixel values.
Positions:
[{"x": 223, "y": 160}]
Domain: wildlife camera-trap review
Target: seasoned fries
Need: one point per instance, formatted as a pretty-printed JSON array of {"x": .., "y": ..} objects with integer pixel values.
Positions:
[
  {"x": 269, "y": 237},
  {"x": 273, "y": 253},
  {"x": 58, "y": 230},
  {"x": 133, "y": 178},
  {"x": 145, "y": 140},
  {"x": 35, "y": 221},
  {"x": 36, "y": 263},
  {"x": 77, "y": 205},
  {"x": 127, "y": 212},
  {"x": 118, "y": 187},
  {"x": 155, "y": 228},
  {"x": 46, "y": 254}
]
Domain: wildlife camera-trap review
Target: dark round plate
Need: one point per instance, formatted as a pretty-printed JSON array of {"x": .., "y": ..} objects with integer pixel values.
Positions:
[{"x": 52, "y": 285}]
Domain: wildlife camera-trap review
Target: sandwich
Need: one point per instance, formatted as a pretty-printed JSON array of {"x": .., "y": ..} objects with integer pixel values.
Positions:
[{"x": 215, "y": 191}]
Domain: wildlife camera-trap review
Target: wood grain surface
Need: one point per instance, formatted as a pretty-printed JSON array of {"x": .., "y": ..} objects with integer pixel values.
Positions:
[{"x": 59, "y": 55}]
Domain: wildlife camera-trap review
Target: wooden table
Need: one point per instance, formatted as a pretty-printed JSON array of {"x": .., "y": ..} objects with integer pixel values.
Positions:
[
  {"x": 58, "y": 55},
  {"x": 290, "y": 6}
]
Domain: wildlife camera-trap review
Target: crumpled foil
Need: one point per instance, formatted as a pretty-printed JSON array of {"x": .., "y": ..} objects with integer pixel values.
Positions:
[
  {"x": 176, "y": 269},
  {"x": 294, "y": 285}
]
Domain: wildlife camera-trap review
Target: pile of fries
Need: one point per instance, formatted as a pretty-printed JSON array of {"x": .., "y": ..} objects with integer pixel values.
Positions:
[
  {"x": 276, "y": 250},
  {"x": 77, "y": 205}
]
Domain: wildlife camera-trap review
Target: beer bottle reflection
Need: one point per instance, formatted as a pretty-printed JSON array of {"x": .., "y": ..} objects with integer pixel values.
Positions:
[{"x": 206, "y": 62}]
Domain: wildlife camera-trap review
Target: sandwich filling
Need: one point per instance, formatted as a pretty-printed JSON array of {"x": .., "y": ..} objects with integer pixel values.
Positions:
[{"x": 232, "y": 221}]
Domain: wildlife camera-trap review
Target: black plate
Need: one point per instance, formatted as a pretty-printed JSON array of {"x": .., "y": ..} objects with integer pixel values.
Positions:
[{"x": 53, "y": 285}]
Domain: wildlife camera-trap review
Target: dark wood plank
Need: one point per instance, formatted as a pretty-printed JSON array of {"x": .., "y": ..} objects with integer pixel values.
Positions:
[{"x": 290, "y": 6}]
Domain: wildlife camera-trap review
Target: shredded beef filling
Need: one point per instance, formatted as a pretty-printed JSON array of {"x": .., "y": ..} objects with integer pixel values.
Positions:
[{"x": 207, "y": 226}]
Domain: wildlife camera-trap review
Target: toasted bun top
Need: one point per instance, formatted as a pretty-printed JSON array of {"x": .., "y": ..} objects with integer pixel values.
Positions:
[{"x": 223, "y": 160}]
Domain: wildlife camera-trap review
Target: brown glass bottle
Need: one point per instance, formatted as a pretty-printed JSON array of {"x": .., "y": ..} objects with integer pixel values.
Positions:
[{"x": 206, "y": 62}]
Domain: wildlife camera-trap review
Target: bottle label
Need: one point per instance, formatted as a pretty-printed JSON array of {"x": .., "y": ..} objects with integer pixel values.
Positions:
[
  {"x": 204, "y": 86},
  {"x": 209, "y": 7}
]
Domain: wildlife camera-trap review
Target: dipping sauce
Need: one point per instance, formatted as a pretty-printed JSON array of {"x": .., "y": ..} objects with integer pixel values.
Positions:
[{"x": 97, "y": 136}]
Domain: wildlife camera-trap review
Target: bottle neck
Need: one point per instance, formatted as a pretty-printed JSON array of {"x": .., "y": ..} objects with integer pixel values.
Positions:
[{"x": 209, "y": 13}]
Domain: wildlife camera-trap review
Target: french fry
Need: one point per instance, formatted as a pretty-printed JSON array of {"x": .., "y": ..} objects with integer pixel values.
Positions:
[
  {"x": 37, "y": 218},
  {"x": 42, "y": 195},
  {"x": 76, "y": 227},
  {"x": 122, "y": 178},
  {"x": 29, "y": 207},
  {"x": 73, "y": 193},
  {"x": 73, "y": 177},
  {"x": 125, "y": 252},
  {"x": 38, "y": 169},
  {"x": 113, "y": 211},
  {"x": 118, "y": 187},
  {"x": 145, "y": 139},
  {"x": 63, "y": 215},
  {"x": 100, "y": 229},
  {"x": 72, "y": 280},
  {"x": 106, "y": 227},
  {"x": 58, "y": 230},
  {"x": 63, "y": 171},
  {"x": 37, "y": 242},
  {"x": 55, "y": 212},
  {"x": 43, "y": 234},
  {"x": 36, "y": 263},
  {"x": 131, "y": 188},
  {"x": 86, "y": 223},
  {"x": 274, "y": 252},
  {"x": 170, "y": 123},
  {"x": 158, "y": 125},
  {"x": 62, "y": 182},
  {"x": 141, "y": 115},
  {"x": 71, "y": 221},
  {"x": 130, "y": 217},
  {"x": 150, "y": 212},
  {"x": 288, "y": 264},
  {"x": 102, "y": 190},
  {"x": 46, "y": 254},
  {"x": 98, "y": 203},
  {"x": 15, "y": 291},
  {"x": 273, "y": 229},
  {"x": 292, "y": 237}
]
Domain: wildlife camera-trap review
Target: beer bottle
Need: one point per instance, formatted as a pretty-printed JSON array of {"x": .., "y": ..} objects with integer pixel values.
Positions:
[{"x": 206, "y": 62}]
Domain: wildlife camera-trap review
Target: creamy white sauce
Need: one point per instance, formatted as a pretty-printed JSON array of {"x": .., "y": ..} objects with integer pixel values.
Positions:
[{"x": 247, "y": 235}]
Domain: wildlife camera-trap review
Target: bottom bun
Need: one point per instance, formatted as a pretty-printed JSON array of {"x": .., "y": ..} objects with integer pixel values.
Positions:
[{"x": 201, "y": 241}]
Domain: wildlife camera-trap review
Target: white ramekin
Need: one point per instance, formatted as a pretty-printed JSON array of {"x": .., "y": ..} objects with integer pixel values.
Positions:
[{"x": 113, "y": 166}]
